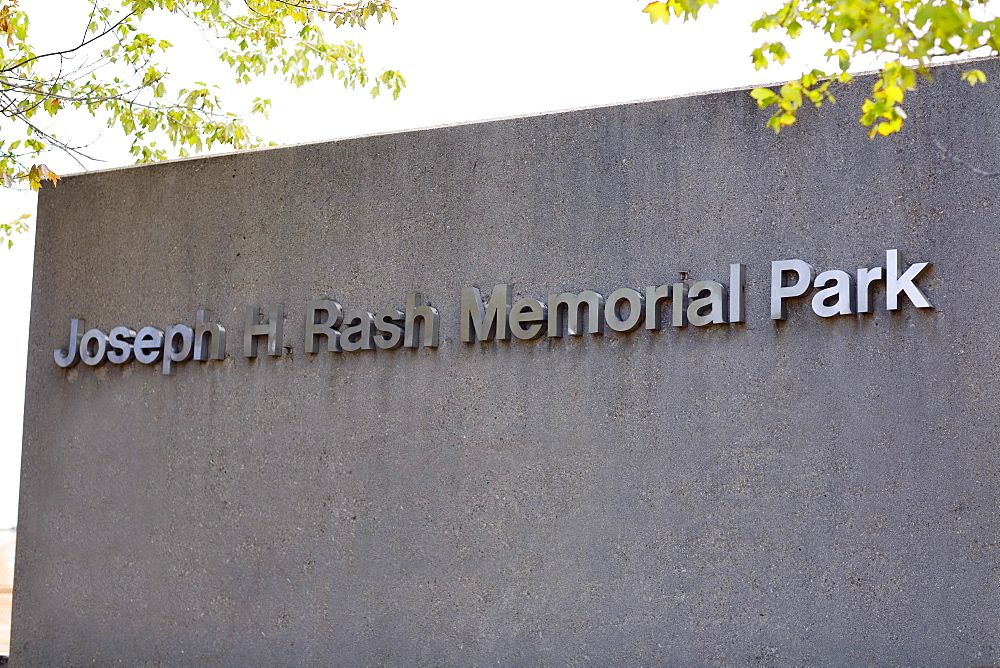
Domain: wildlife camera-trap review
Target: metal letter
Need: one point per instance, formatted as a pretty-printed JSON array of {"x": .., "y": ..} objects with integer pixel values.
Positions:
[
  {"x": 655, "y": 295},
  {"x": 358, "y": 332},
  {"x": 430, "y": 335},
  {"x": 841, "y": 289},
  {"x": 99, "y": 341},
  {"x": 216, "y": 333},
  {"x": 315, "y": 326},
  {"x": 679, "y": 292},
  {"x": 389, "y": 325},
  {"x": 865, "y": 279},
  {"x": 736, "y": 285},
  {"x": 574, "y": 315},
  {"x": 173, "y": 353},
  {"x": 120, "y": 343},
  {"x": 71, "y": 356},
  {"x": 481, "y": 324},
  {"x": 780, "y": 292},
  {"x": 272, "y": 329},
  {"x": 635, "y": 303},
  {"x": 896, "y": 282},
  {"x": 148, "y": 345},
  {"x": 713, "y": 302},
  {"x": 529, "y": 312}
]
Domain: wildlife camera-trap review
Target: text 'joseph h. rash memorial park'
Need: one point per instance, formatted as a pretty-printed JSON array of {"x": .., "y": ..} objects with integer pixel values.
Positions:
[{"x": 642, "y": 384}]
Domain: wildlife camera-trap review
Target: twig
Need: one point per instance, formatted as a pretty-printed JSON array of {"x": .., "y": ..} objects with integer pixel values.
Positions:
[
  {"x": 947, "y": 156},
  {"x": 75, "y": 48}
]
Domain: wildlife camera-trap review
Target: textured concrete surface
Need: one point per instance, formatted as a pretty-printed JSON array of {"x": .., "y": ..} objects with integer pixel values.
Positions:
[{"x": 815, "y": 491}]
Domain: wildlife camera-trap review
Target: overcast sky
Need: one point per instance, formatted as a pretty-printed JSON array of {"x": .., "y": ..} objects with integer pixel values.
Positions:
[{"x": 464, "y": 61}]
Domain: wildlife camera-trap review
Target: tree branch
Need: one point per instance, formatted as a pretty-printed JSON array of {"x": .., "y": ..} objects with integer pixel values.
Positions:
[
  {"x": 337, "y": 11},
  {"x": 946, "y": 156},
  {"x": 66, "y": 148},
  {"x": 75, "y": 48},
  {"x": 93, "y": 10}
]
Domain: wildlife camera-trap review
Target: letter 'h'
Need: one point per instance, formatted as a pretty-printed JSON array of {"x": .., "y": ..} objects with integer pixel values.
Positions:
[{"x": 272, "y": 329}]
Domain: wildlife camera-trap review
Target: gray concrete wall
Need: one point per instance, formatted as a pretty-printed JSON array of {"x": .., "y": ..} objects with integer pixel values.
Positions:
[{"x": 817, "y": 490}]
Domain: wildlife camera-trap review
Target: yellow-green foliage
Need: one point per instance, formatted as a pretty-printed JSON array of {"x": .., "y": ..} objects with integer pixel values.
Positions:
[
  {"x": 125, "y": 79},
  {"x": 910, "y": 33},
  {"x": 7, "y": 230}
]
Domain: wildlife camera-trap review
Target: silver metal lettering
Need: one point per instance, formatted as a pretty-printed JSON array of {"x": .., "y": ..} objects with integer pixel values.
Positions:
[
  {"x": 530, "y": 312},
  {"x": 71, "y": 355},
  {"x": 865, "y": 279},
  {"x": 272, "y": 329},
  {"x": 148, "y": 345},
  {"x": 713, "y": 302},
  {"x": 94, "y": 348},
  {"x": 430, "y": 333},
  {"x": 895, "y": 282},
  {"x": 679, "y": 292},
  {"x": 358, "y": 332},
  {"x": 389, "y": 328},
  {"x": 570, "y": 304},
  {"x": 325, "y": 326},
  {"x": 654, "y": 296},
  {"x": 736, "y": 286},
  {"x": 635, "y": 310},
  {"x": 841, "y": 289},
  {"x": 174, "y": 353},
  {"x": 120, "y": 345},
  {"x": 780, "y": 292},
  {"x": 484, "y": 324},
  {"x": 214, "y": 332}
]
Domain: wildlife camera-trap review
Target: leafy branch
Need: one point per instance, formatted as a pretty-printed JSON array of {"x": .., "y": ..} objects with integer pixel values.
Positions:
[
  {"x": 125, "y": 80},
  {"x": 910, "y": 34}
]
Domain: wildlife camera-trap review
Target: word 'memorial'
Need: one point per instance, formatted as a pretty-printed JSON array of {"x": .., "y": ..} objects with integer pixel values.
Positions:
[{"x": 625, "y": 310}]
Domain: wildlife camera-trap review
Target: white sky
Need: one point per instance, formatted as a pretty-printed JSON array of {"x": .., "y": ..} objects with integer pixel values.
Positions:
[{"x": 464, "y": 61}]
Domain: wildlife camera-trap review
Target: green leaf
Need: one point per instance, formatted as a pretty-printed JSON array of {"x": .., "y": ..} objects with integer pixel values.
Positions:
[
  {"x": 658, "y": 11},
  {"x": 974, "y": 77},
  {"x": 764, "y": 96}
]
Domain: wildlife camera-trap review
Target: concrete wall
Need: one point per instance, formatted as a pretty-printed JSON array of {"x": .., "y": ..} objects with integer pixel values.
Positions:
[{"x": 817, "y": 490}]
